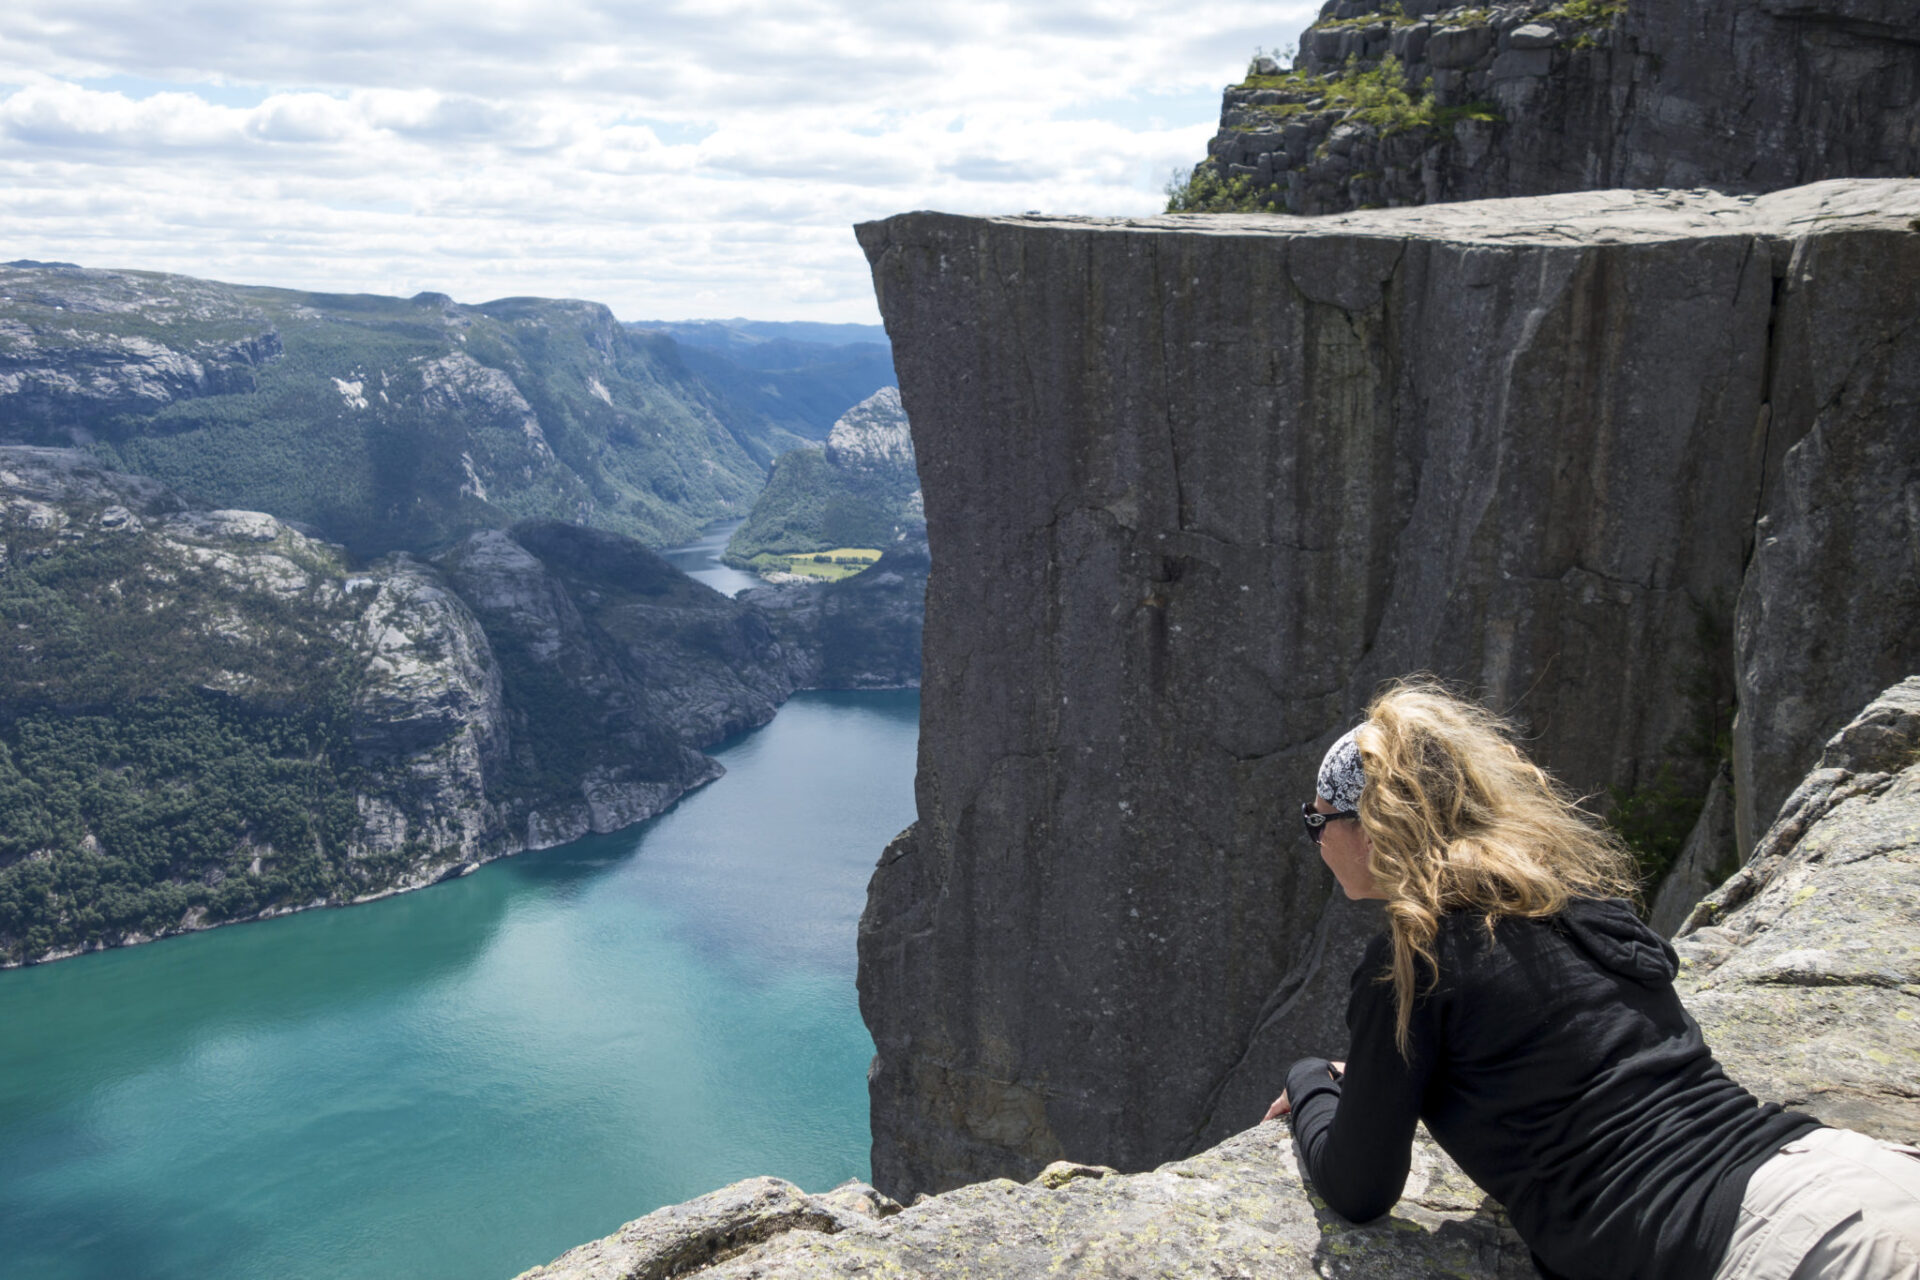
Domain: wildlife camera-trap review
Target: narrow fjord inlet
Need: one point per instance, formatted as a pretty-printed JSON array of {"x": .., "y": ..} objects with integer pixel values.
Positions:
[{"x": 467, "y": 1080}]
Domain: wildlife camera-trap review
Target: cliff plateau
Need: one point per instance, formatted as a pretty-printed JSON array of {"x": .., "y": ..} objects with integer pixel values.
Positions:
[
  {"x": 1804, "y": 973},
  {"x": 1194, "y": 486}
]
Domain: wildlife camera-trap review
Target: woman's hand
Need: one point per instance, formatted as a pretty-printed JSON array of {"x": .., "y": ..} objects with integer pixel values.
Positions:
[{"x": 1282, "y": 1107}]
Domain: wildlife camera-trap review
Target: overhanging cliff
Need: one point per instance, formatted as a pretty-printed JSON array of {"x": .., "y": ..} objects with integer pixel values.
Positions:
[{"x": 1195, "y": 485}]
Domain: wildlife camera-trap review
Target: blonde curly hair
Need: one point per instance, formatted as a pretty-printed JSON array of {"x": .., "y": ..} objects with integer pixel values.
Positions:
[{"x": 1460, "y": 820}]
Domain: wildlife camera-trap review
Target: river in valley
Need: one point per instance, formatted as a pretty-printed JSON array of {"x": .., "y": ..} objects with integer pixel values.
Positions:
[
  {"x": 467, "y": 1080},
  {"x": 701, "y": 561}
]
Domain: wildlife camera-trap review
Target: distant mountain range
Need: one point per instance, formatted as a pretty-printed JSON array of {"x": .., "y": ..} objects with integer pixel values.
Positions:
[
  {"x": 301, "y": 605},
  {"x": 742, "y": 335},
  {"x": 791, "y": 380},
  {"x": 405, "y": 423}
]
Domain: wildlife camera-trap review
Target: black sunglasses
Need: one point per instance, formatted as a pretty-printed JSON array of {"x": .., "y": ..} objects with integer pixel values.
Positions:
[{"x": 1316, "y": 822}]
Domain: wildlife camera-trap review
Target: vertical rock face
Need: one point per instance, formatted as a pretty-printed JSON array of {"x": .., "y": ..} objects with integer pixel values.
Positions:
[
  {"x": 1827, "y": 611},
  {"x": 1193, "y": 488},
  {"x": 1536, "y": 96}
]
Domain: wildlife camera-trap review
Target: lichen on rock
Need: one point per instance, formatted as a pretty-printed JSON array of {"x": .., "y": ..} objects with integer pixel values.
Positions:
[{"x": 1803, "y": 969}]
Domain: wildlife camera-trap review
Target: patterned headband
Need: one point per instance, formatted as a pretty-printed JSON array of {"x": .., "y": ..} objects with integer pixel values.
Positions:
[{"x": 1341, "y": 779}]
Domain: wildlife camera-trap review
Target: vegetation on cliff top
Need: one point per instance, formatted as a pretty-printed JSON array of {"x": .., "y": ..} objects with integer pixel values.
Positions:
[{"x": 1376, "y": 97}]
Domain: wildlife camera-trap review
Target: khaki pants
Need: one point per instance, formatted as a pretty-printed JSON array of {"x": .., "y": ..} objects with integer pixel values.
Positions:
[{"x": 1834, "y": 1205}]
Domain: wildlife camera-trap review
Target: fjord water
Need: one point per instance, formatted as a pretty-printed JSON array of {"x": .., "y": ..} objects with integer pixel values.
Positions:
[
  {"x": 701, "y": 561},
  {"x": 467, "y": 1080}
]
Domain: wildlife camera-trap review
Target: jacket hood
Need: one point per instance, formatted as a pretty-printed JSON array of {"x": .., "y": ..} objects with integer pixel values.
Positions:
[{"x": 1619, "y": 941}]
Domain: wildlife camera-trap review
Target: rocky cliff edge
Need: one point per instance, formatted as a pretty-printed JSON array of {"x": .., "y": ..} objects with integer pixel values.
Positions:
[{"x": 1804, "y": 972}]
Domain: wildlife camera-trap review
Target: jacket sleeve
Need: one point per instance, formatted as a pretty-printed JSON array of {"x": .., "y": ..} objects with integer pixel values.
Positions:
[{"x": 1355, "y": 1134}]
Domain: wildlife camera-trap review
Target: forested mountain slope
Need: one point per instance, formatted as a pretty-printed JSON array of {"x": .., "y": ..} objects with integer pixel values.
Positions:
[
  {"x": 860, "y": 490},
  {"x": 209, "y": 716}
]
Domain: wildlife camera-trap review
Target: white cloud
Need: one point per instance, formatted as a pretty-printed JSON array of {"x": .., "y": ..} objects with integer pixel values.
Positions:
[{"x": 669, "y": 159}]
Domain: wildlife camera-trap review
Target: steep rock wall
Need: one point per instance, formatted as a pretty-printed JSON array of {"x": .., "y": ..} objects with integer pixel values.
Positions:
[
  {"x": 1195, "y": 485},
  {"x": 1542, "y": 96}
]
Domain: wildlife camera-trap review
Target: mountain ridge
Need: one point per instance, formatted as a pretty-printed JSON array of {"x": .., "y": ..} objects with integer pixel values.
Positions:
[{"x": 384, "y": 423}]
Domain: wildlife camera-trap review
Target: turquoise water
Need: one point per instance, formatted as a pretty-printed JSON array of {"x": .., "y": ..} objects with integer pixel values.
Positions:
[{"x": 467, "y": 1080}]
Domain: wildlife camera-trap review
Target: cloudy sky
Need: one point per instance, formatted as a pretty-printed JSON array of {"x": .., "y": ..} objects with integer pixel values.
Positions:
[{"x": 672, "y": 158}]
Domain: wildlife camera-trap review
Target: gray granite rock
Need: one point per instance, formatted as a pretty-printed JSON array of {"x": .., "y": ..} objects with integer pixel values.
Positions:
[
  {"x": 1194, "y": 485},
  {"x": 873, "y": 433},
  {"x": 1239, "y": 1210},
  {"x": 1830, "y": 606},
  {"x": 684, "y": 1238},
  {"x": 1804, "y": 968}
]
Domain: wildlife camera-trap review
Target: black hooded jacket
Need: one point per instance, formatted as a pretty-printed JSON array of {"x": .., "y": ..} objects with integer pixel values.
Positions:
[{"x": 1554, "y": 1062}]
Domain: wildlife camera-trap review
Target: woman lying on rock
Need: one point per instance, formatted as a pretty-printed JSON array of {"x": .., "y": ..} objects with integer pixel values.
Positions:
[{"x": 1519, "y": 1007}]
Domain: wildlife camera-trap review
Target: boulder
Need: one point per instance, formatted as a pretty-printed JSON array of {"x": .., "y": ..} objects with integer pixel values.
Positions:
[{"x": 1803, "y": 969}]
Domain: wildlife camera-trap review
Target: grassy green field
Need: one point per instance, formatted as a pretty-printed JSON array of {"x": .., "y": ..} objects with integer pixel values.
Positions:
[{"x": 828, "y": 566}]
